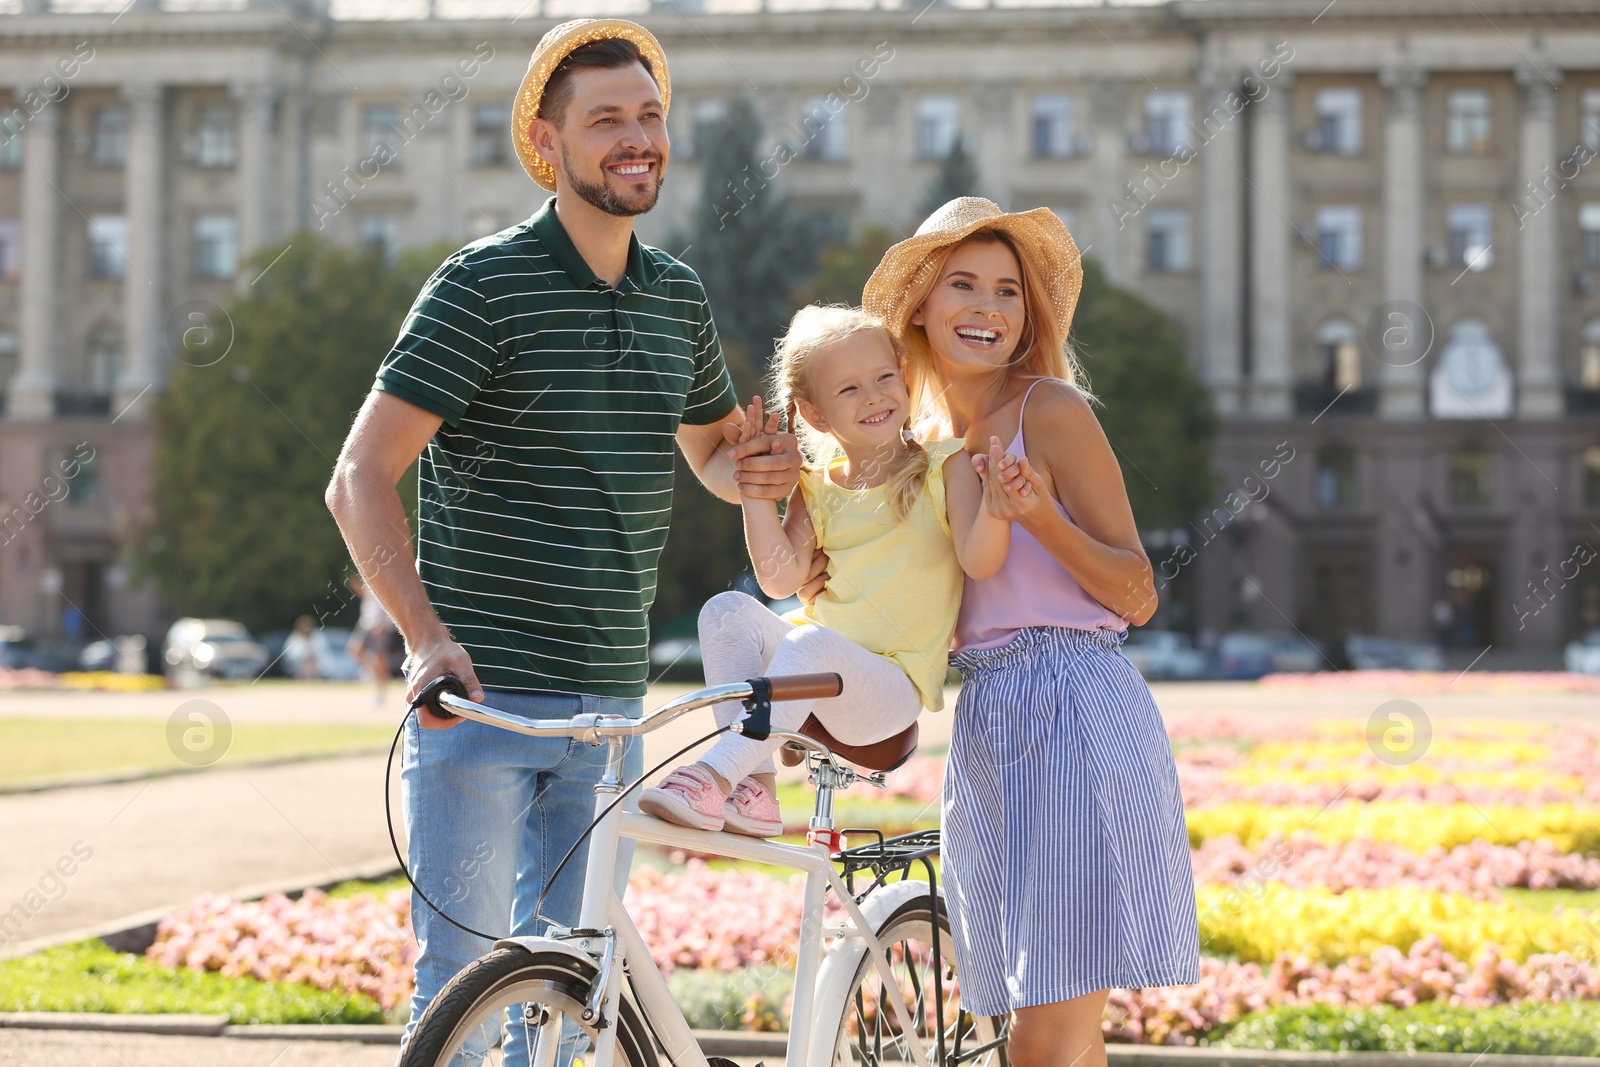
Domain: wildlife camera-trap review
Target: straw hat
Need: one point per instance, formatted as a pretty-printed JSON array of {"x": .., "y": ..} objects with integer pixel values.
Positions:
[
  {"x": 553, "y": 48},
  {"x": 1040, "y": 236}
]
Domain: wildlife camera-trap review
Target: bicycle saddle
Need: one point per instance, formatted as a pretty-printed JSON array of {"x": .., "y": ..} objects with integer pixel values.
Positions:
[{"x": 883, "y": 755}]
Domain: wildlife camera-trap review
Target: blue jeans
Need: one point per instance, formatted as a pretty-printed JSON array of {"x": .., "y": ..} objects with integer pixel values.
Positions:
[{"x": 490, "y": 814}]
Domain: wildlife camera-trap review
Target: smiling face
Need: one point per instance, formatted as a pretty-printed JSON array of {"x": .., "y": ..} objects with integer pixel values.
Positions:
[
  {"x": 974, "y": 315},
  {"x": 610, "y": 147},
  {"x": 857, "y": 393}
]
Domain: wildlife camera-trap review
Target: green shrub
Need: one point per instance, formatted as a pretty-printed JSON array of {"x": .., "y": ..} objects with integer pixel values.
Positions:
[
  {"x": 90, "y": 976},
  {"x": 753, "y": 999},
  {"x": 1529, "y": 1029}
]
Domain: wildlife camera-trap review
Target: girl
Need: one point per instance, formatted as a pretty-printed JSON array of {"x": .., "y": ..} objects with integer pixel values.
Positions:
[
  {"x": 899, "y": 522},
  {"x": 1066, "y": 858}
]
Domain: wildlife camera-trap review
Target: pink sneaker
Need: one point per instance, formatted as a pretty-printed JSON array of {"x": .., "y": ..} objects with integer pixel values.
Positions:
[
  {"x": 688, "y": 796},
  {"x": 752, "y": 810}
]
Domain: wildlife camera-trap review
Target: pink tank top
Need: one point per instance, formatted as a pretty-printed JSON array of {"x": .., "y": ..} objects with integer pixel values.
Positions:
[{"x": 1032, "y": 588}]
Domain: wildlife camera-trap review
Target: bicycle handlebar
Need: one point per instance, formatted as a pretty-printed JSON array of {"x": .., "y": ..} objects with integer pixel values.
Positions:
[{"x": 446, "y": 697}]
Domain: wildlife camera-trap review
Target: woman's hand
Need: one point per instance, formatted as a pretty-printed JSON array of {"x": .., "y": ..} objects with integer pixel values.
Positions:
[
  {"x": 1012, "y": 489},
  {"x": 816, "y": 579}
]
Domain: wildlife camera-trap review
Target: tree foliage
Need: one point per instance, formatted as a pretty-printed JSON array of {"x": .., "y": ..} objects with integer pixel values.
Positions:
[
  {"x": 245, "y": 443},
  {"x": 958, "y": 176},
  {"x": 843, "y": 268},
  {"x": 1157, "y": 414}
]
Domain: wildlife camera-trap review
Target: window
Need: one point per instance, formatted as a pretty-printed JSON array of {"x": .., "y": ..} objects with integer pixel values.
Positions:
[
  {"x": 824, "y": 131},
  {"x": 827, "y": 227},
  {"x": 380, "y": 136},
  {"x": 1591, "y": 476},
  {"x": 1339, "y": 344},
  {"x": 108, "y": 245},
  {"x": 10, "y": 147},
  {"x": 104, "y": 361},
  {"x": 83, "y": 489},
  {"x": 1052, "y": 126},
  {"x": 1470, "y": 230},
  {"x": 1589, "y": 355},
  {"x": 1468, "y": 122},
  {"x": 10, "y": 248},
  {"x": 1336, "y": 478},
  {"x": 381, "y": 233},
  {"x": 1470, "y": 483},
  {"x": 938, "y": 126},
  {"x": 704, "y": 118},
  {"x": 1589, "y": 231},
  {"x": 1166, "y": 122},
  {"x": 9, "y": 347},
  {"x": 1339, "y": 121},
  {"x": 216, "y": 246},
  {"x": 1339, "y": 237},
  {"x": 108, "y": 137},
  {"x": 1167, "y": 240},
  {"x": 1589, "y": 119},
  {"x": 213, "y": 142},
  {"x": 491, "y": 135}
]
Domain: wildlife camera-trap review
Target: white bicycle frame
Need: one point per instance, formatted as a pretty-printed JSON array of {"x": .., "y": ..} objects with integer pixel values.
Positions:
[{"x": 606, "y": 934}]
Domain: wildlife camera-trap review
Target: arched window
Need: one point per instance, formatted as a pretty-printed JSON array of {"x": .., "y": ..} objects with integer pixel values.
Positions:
[
  {"x": 102, "y": 361},
  {"x": 1591, "y": 476},
  {"x": 1339, "y": 346},
  {"x": 1589, "y": 355}
]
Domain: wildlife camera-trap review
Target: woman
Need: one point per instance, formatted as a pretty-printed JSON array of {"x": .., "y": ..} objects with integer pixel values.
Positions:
[{"x": 1066, "y": 855}]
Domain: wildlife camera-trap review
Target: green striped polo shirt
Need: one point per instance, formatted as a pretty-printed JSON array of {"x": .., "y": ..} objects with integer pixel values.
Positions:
[{"x": 544, "y": 499}]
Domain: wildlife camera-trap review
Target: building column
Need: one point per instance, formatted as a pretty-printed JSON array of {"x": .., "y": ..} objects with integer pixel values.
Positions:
[
  {"x": 1271, "y": 205},
  {"x": 256, "y": 101},
  {"x": 141, "y": 346},
  {"x": 32, "y": 391},
  {"x": 1401, "y": 389},
  {"x": 1539, "y": 295},
  {"x": 1221, "y": 228},
  {"x": 1112, "y": 235},
  {"x": 997, "y": 154}
]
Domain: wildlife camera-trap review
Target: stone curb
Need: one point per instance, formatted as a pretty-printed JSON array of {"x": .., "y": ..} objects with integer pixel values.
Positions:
[{"x": 740, "y": 1043}]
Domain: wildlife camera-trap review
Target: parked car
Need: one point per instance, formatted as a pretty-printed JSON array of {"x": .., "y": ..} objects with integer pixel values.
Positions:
[
  {"x": 1296, "y": 653},
  {"x": 1164, "y": 655},
  {"x": 676, "y": 658},
  {"x": 1583, "y": 655},
  {"x": 1367, "y": 652},
  {"x": 18, "y": 650},
  {"x": 328, "y": 653},
  {"x": 218, "y": 647},
  {"x": 1250, "y": 655},
  {"x": 98, "y": 656}
]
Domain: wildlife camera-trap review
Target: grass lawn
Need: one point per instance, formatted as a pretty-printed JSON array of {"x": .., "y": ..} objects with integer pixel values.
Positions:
[{"x": 38, "y": 750}]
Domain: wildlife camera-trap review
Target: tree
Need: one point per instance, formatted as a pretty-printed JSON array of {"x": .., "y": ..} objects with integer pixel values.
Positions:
[
  {"x": 843, "y": 268},
  {"x": 245, "y": 443},
  {"x": 958, "y": 176},
  {"x": 747, "y": 246},
  {"x": 1158, "y": 416}
]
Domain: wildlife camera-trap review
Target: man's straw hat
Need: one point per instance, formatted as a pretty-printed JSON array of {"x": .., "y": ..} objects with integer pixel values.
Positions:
[
  {"x": 556, "y": 46},
  {"x": 1040, "y": 236}
]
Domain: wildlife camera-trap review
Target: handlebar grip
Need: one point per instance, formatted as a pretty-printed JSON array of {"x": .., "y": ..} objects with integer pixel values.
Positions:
[
  {"x": 429, "y": 697},
  {"x": 805, "y": 687}
]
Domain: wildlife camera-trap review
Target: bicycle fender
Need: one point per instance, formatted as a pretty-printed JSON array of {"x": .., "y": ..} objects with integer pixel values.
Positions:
[
  {"x": 541, "y": 945},
  {"x": 833, "y": 989}
]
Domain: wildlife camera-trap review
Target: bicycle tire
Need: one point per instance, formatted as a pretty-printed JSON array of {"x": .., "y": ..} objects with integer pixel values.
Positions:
[
  {"x": 911, "y": 922},
  {"x": 514, "y": 975}
]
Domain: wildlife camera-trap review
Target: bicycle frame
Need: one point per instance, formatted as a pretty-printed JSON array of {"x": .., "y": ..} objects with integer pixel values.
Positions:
[{"x": 607, "y": 935}]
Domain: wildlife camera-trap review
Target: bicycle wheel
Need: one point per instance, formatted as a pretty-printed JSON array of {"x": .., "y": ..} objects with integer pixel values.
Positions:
[
  {"x": 868, "y": 1033},
  {"x": 543, "y": 989}
]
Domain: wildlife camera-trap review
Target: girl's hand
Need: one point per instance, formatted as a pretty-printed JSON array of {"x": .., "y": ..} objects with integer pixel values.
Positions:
[{"x": 1012, "y": 491}]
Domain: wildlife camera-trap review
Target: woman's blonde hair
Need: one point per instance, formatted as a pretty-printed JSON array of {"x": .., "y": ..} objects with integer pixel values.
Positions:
[
  {"x": 817, "y": 328},
  {"x": 1042, "y": 351}
]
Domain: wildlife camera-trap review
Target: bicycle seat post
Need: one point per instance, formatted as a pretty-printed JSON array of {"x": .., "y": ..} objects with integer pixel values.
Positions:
[{"x": 827, "y": 776}]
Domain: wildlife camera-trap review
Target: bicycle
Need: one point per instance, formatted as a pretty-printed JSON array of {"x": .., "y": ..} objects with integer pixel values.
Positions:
[{"x": 879, "y": 987}]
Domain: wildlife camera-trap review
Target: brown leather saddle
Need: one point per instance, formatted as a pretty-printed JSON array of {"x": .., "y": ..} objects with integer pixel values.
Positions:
[{"x": 883, "y": 755}]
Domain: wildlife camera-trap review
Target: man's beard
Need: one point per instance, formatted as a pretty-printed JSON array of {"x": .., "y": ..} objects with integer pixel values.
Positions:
[{"x": 600, "y": 193}]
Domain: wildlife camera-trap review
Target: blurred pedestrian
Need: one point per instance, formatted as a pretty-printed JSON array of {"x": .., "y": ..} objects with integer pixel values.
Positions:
[
  {"x": 373, "y": 640},
  {"x": 300, "y": 649}
]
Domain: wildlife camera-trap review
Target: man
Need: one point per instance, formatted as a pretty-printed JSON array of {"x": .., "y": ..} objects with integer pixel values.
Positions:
[{"x": 543, "y": 374}]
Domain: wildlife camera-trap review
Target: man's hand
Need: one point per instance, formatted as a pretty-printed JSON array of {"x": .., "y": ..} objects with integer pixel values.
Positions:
[
  {"x": 431, "y": 658},
  {"x": 766, "y": 463}
]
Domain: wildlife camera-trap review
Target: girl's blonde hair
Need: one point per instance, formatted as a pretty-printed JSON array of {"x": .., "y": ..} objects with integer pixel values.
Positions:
[
  {"x": 817, "y": 328},
  {"x": 1042, "y": 351}
]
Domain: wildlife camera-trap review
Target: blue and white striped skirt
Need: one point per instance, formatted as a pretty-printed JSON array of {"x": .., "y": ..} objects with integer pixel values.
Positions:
[{"x": 1066, "y": 857}]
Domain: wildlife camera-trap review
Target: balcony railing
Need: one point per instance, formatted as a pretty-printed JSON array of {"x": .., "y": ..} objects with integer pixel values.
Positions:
[
  {"x": 73, "y": 402},
  {"x": 1581, "y": 401},
  {"x": 1313, "y": 398}
]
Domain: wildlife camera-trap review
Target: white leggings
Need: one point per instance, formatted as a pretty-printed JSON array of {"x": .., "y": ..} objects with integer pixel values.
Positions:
[{"x": 741, "y": 638}]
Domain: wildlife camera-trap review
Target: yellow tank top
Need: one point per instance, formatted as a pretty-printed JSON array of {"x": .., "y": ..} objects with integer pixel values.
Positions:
[{"x": 894, "y": 586}]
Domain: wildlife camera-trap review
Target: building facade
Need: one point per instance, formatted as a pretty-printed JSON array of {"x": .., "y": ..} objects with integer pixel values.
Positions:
[{"x": 1377, "y": 221}]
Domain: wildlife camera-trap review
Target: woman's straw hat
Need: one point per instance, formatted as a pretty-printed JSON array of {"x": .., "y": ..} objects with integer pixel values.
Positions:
[
  {"x": 1040, "y": 236},
  {"x": 556, "y": 46}
]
